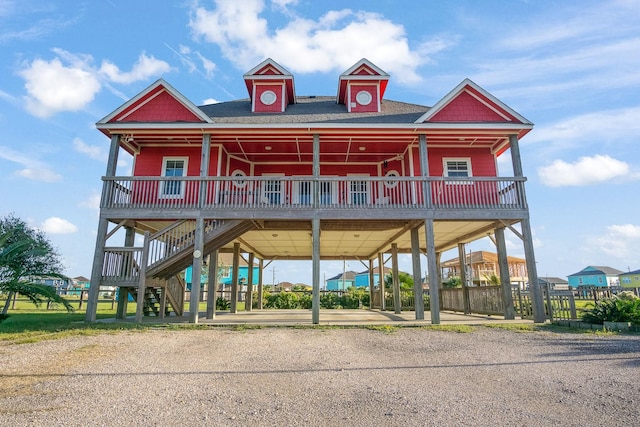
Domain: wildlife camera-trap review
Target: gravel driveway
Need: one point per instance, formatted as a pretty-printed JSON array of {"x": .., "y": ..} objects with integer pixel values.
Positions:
[{"x": 323, "y": 376}]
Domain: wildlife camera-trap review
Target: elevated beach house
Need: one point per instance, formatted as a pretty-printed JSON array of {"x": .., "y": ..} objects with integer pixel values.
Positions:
[{"x": 288, "y": 177}]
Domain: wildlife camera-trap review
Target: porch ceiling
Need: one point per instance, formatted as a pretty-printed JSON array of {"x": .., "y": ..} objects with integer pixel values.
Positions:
[
  {"x": 354, "y": 239},
  {"x": 336, "y": 145}
]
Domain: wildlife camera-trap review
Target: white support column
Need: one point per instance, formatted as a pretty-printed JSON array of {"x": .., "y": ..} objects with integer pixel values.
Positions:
[
  {"x": 537, "y": 302},
  {"x": 381, "y": 280},
  {"x": 315, "y": 299},
  {"x": 417, "y": 274},
  {"x": 434, "y": 289},
  {"x": 123, "y": 292},
  {"x": 163, "y": 302},
  {"x": 372, "y": 278},
  {"x": 505, "y": 278},
  {"x": 196, "y": 271},
  {"x": 212, "y": 285},
  {"x": 249, "y": 299},
  {"x": 464, "y": 277},
  {"x": 397, "y": 303},
  {"x": 143, "y": 278},
  {"x": 101, "y": 235},
  {"x": 424, "y": 169},
  {"x": 527, "y": 239},
  {"x": 260, "y": 280},
  {"x": 204, "y": 168},
  {"x": 235, "y": 278}
]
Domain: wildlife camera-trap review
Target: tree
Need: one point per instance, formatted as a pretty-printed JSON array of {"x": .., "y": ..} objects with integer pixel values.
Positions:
[
  {"x": 492, "y": 280},
  {"x": 453, "y": 282},
  {"x": 25, "y": 256},
  {"x": 405, "y": 279}
]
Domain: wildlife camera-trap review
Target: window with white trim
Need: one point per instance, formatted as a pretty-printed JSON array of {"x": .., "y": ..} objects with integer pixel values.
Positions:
[
  {"x": 358, "y": 192},
  {"x": 173, "y": 166},
  {"x": 273, "y": 190},
  {"x": 457, "y": 167}
]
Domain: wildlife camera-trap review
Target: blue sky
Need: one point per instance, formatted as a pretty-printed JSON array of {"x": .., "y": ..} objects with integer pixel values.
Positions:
[{"x": 570, "y": 67}]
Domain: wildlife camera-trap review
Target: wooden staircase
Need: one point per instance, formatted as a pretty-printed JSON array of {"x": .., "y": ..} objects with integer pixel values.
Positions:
[{"x": 169, "y": 252}]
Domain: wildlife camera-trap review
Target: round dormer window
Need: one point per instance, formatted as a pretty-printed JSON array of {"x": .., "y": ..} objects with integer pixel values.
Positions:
[
  {"x": 268, "y": 97},
  {"x": 391, "y": 174},
  {"x": 238, "y": 174},
  {"x": 363, "y": 97}
]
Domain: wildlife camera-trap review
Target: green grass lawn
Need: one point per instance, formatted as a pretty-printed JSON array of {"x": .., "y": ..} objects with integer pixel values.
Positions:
[{"x": 28, "y": 323}]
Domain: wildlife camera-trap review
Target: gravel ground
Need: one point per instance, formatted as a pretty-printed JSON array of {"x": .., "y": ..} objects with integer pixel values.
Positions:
[{"x": 315, "y": 377}]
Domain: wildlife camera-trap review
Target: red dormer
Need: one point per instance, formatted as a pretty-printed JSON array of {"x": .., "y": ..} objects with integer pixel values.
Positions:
[
  {"x": 270, "y": 87},
  {"x": 362, "y": 87}
]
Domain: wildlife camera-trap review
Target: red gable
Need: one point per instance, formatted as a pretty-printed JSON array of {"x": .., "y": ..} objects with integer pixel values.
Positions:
[
  {"x": 158, "y": 103},
  {"x": 468, "y": 102},
  {"x": 157, "y": 107},
  {"x": 270, "y": 87},
  {"x": 362, "y": 87},
  {"x": 467, "y": 108}
]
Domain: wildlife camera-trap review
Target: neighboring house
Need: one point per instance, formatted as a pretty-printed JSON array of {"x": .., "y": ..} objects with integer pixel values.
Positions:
[
  {"x": 341, "y": 282},
  {"x": 62, "y": 286},
  {"x": 80, "y": 284},
  {"x": 555, "y": 283},
  {"x": 288, "y": 177},
  {"x": 595, "y": 276},
  {"x": 362, "y": 278},
  {"x": 630, "y": 279},
  {"x": 483, "y": 265},
  {"x": 225, "y": 272}
]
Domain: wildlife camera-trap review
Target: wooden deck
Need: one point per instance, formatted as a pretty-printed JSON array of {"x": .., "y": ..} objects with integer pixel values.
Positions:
[{"x": 300, "y": 197}]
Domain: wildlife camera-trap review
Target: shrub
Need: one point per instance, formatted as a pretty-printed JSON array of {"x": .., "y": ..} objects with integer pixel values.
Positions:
[
  {"x": 622, "y": 308},
  {"x": 222, "y": 304},
  {"x": 355, "y": 298},
  {"x": 329, "y": 300},
  {"x": 306, "y": 300},
  {"x": 283, "y": 300}
]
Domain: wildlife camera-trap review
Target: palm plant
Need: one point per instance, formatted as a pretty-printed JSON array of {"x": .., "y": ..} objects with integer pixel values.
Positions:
[{"x": 25, "y": 256}]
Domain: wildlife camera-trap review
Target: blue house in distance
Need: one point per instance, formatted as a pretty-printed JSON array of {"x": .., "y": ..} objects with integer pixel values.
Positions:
[
  {"x": 595, "y": 276},
  {"x": 342, "y": 281},
  {"x": 224, "y": 267},
  {"x": 353, "y": 279}
]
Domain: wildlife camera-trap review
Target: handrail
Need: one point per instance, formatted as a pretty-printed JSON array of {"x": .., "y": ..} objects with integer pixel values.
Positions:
[{"x": 296, "y": 192}]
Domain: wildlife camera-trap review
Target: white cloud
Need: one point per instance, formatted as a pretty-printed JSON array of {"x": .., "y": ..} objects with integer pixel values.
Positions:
[
  {"x": 145, "y": 67},
  {"x": 70, "y": 81},
  {"x": 55, "y": 225},
  {"x": 92, "y": 151},
  {"x": 597, "y": 128},
  {"x": 92, "y": 202},
  {"x": 332, "y": 43},
  {"x": 585, "y": 171},
  {"x": 208, "y": 65},
  {"x": 53, "y": 87},
  {"x": 210, "y": 101},
  {"x": 32, "y": 168},
  {"x": 620, "y": 241}
]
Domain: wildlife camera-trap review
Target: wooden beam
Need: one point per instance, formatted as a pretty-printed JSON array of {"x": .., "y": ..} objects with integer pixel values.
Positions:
[{"x": 417, "y": 274}]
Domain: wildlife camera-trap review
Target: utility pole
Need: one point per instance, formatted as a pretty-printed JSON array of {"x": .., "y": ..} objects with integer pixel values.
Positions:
[{"x": 273, "y": 275}]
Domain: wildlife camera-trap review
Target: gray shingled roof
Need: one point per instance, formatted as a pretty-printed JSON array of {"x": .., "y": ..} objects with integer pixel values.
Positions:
[
  {"x": 608, "y": 271},
  {"x": 312, "y": 109}
]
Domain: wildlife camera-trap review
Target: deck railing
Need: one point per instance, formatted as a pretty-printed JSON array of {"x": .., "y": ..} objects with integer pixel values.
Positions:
[{"x": 331, "y": 193}]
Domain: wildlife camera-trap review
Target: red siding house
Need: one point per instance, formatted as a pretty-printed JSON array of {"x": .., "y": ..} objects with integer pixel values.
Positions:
[{"x": 287, "y": 177}]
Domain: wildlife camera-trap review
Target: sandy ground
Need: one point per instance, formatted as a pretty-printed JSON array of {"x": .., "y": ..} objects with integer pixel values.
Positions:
[{"x": 322, "y": 376}]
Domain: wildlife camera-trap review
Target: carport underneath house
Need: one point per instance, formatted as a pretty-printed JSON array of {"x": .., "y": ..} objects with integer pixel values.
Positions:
[{"x": 316, "y": 180}]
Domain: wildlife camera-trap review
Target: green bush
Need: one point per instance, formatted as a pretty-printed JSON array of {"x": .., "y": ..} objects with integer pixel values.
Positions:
[
  {"x": 330, "y": 300},
  {"x": 624, "y": 307},
  {"x": 306, "y": 301},
  {"x": 283, "y": 300},
  {"x": 355, "y": 298},
  {"x": 222, "y": 304}
]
